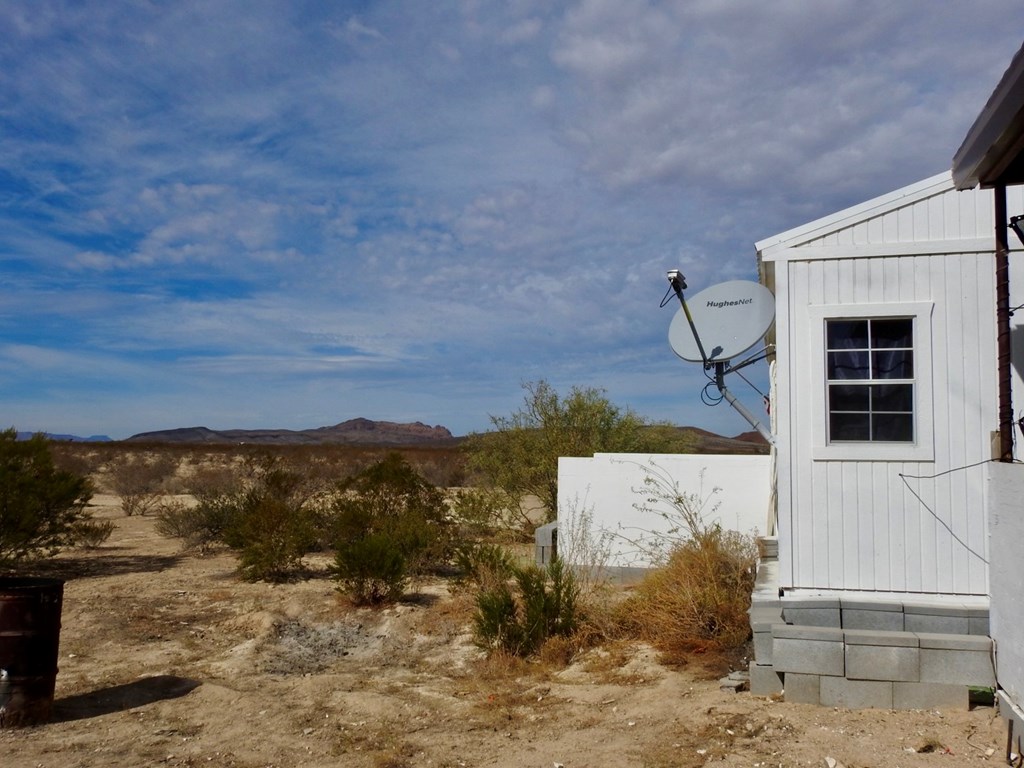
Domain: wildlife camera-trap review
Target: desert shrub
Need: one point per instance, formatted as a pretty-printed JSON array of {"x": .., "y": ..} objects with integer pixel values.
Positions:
[
  {"x": 265, "y": 516},
  {"x": 483, "y": 565},
  {"x": 545, "y": 604},
  {"x": 488, "y": 513},
  {"x": 271, "y": 535},
  {"x": 91, "y": 533},
  {"x": 270, "y": 525},
  {"x": 390, "y": 500},
  {"x": 698, "y": 599},
  {"x": 371, "y": 569},
  {"x": 210, "y": 479},
  {"x": 201, "y": 526},
  {"x": 41, "y": 507},
  {"x": 140, "y": 480},
  {"x": 76, "y": 458}
]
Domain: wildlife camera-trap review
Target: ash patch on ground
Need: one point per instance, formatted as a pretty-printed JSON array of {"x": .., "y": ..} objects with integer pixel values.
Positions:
[{"x": 299, "y": 649}]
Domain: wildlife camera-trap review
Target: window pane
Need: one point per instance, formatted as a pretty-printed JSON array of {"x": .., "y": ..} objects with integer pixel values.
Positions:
[
  {"x": 847, "y": 334},
  {"x": 892, "y": 397},
  {"x": 848, "y": 365},
  {"x": 893, "y": 364},
  {"x": 892, "y": 333},
  {"x": 846, "y": 397},
  {"x": 849, "y": 426},
  {"x": 893, "y": 427}
]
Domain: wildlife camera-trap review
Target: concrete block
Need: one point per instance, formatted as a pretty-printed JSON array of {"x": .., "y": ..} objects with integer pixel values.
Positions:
[
  {"x": 883, "y": 662},
  {"x": 939, "y": 665},
  {"x": 802, "y": 689},
  {"x": 863, "y": 614},
  {"x": 763, "y": 647},
  {"x": 881, "y": 637},
  {"x": 978, "y": 625},
  {"x": 812, "y": 613},
  {"x": 764, "y": 680},
  {"x": 923, "y": 622},
  {"x": 951, "y": 619},
  {"x": 954, "y": 642},
  {"x": 907, "y": 695},
  {"x": 813, "y": 657},
  {"x": 764, "y": 615},
  {"x": 855, "y": 694},
  {"x": 804, "y": 632}
]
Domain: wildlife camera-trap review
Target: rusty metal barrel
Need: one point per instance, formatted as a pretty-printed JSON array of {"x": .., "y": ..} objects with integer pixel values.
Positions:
[{"x": 29, "y": 640}]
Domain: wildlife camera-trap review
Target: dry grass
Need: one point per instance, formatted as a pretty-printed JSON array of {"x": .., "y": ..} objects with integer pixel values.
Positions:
[{"x": 698, "y": 602}]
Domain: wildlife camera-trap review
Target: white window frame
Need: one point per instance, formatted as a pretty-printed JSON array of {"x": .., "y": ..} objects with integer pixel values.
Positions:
[{"x": 923, "y": 446}]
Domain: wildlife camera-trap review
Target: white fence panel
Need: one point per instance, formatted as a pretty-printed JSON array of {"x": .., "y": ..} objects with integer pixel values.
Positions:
[{"x": 600, "y": 499}]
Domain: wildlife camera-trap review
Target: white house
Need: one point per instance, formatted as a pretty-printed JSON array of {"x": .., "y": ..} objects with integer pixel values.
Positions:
[
  {"x": 886, "y": 397},
  {"x": 886, "y": 418}
]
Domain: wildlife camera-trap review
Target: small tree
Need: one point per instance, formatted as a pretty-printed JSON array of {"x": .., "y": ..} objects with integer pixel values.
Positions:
[
  {"x": 388, "y": 523},
  {"x": 42, "y": 508},
  {"x": 521, "y": 454}
]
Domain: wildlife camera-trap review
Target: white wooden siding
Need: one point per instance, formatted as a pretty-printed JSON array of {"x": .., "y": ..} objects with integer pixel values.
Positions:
[
  {"x": 894, "y": 526},
  {"x": 857, "y": 524}
]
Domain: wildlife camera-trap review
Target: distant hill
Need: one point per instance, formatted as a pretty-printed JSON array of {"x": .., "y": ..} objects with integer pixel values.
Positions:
[
  {"x": 351, "y": 432},
  {"x": 709, "y": 442},
  {"x": 68, "y": 438}
]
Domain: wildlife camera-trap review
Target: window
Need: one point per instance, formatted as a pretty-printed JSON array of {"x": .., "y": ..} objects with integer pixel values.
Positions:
[{"x": 870, "y": 379}]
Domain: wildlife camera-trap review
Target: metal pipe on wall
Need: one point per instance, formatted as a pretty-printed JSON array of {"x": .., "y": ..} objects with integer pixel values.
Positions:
[{"x": 1003, "y": 326}]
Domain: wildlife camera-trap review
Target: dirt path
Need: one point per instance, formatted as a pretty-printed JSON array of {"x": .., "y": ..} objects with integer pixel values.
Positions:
[{"x": 169, "y": 659}]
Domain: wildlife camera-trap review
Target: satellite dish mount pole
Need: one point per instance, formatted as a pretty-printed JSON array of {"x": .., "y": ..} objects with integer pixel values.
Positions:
[
  {"x": 738, "y": 406},
  {"x": 678, "y": 283}
]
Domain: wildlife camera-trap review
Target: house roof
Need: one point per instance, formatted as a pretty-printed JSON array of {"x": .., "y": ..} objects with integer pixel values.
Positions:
[
  {"x": 815, "y": 230},
  {"x": 992, "y": 153}
]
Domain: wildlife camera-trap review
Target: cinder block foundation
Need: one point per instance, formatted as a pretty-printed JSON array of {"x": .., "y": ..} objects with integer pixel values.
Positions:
[
  {"x": 808, "y": 650},
  {"x": 864, "y": 651},
  {"x": 930, "y": 696},
  {"x": 764, "y": 680},
  {"x": 802, "y": 689},
  {"x": 855, "y": 694}
]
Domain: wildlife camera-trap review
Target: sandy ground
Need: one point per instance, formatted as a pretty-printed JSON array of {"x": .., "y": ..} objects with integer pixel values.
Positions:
[{"x": 169, "y": 659}]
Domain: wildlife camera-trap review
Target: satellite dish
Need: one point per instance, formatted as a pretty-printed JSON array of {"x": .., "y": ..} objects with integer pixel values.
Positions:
[{"x": 730, "y": 318}]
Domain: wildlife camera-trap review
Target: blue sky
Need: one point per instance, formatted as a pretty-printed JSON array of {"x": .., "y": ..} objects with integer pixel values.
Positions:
[{"x": 289, "y": 214}]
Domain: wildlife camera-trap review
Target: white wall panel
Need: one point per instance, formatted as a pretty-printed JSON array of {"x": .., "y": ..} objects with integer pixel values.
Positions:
[
  {"x": 857, "y": 525},
  {"x": 604, "y": 492}
]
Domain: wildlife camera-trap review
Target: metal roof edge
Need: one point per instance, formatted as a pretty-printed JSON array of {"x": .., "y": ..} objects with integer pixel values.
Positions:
[
  {"x": 942, "y": 182},
  {"x": 981, "y": 150}
]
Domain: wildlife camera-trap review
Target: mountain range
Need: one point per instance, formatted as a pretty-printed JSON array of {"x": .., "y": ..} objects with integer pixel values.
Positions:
[
  {"x": 365, "y": 432},
  {"x": 351, "y": 432}
]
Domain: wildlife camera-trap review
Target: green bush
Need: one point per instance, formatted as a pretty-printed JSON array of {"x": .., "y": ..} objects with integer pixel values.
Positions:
[
  {"x": 201, "y": 526},
  {"x": 270, "y": 525},
  {"x": 266, "y": 518},
  {"x": 371, "y": 569},
  {"x": 389, "y": 500},
  {"x": 41, "y": 507},
  {"x": 91, "y": 533},
  {"x": 483, "y": 565},
  {"x": 547, "y": 605}
]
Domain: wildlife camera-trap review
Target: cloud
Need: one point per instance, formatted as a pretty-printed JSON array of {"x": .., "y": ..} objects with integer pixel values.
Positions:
[{"x": 378, "y": 205}]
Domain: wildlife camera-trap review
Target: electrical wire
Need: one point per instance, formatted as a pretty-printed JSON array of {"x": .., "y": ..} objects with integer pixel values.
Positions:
[{"x": 932, "y": 512}]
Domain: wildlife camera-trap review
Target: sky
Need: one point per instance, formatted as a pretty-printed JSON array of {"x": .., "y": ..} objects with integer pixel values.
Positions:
[{"x": 289, "y": 214}]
